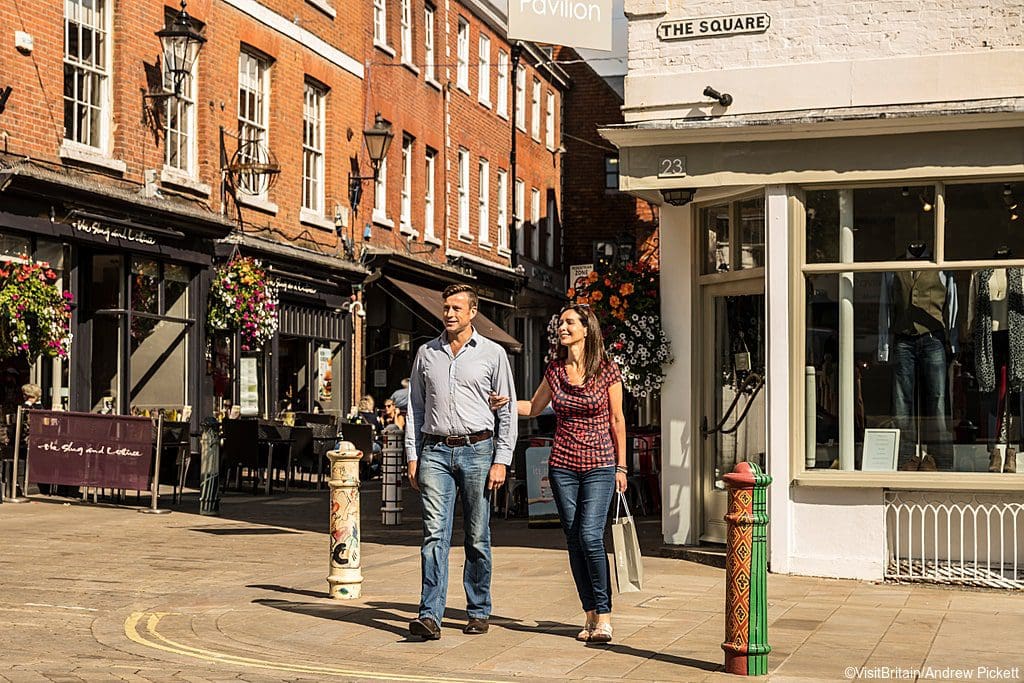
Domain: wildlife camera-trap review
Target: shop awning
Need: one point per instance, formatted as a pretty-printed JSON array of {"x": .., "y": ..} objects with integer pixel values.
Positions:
[{"x": 430, "y": 301}]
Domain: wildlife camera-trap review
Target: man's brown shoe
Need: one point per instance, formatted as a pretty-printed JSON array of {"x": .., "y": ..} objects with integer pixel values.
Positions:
[
  {"x": 476, "y": 627},
  {"x": 911, "y": 465},
  {"x": 425, "y": 628},
  {"x": 928, "y": 464},
  {"x": 995, "y": 463},
  {"x": 1010, "y": 465}
]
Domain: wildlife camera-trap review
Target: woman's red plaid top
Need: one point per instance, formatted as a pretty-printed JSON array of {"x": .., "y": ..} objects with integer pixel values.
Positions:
[{"x": 583, "y": 435}]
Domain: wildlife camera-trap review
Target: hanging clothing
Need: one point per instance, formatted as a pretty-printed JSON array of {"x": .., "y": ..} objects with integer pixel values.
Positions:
[{"x": 997, "y": 304}]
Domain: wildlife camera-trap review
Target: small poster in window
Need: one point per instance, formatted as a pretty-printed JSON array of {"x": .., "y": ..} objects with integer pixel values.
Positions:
[
  {"x": 249, "y": 391},
  {"x": 880, "y": 449},
  {"x": 325, "y": 390}
]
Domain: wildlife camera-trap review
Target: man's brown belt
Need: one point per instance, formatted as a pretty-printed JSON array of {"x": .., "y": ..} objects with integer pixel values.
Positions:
[{"x": 458, "y": 440}]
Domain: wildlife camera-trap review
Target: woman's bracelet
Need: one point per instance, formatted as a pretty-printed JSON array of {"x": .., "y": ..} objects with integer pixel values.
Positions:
[{"x": 622, "y": 468}]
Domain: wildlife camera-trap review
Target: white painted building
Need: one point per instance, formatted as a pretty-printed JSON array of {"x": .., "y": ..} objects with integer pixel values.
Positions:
[{"x": 851, "y": 205}]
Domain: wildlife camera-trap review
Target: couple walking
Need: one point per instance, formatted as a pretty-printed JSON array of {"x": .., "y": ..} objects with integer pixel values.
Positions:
[{"x": 459, "y": 380}]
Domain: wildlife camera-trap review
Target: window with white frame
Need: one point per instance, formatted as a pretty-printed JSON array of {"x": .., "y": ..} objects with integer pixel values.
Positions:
[
  {"x": 502, "y": 209},
  {"x": 380, "y": 193},
  {"x": 406, "y": 31},
  {"x": 520, "y": 204},
  {"x": 535, "y": 223},
  {"x": 549, "y": 122},
  {"x": 464, "y": 193},
  {"x": 484, "y": 72},
  {"x": 484, "y": 202},
  {"x": 549, "y": 244},
  {"x": 253, "y": 104},
  {"x": 535, "y": 110},
  {"x": 428, "y": 43},
  {"x": 428, "y": 195},
  {"x": 502, "y": 83},
  {"x": 405, "y": 219},
  {"x": 313, "y": 148},
  {"x": 180, "y": 132},
  {"x": 380, "y": 22},
  {"x": 86, "y": 72},
  {"x": 462, "y": 67},
  {"x": 520, "y": 103}
]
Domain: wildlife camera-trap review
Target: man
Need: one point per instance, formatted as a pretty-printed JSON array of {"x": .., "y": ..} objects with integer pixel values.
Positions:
[
  {"x": 451, "y": 447},
  {"x": 401, "y": 396}
]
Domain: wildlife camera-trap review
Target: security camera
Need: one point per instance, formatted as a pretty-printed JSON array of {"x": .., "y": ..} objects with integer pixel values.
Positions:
[{"x": 354, "y": 307}]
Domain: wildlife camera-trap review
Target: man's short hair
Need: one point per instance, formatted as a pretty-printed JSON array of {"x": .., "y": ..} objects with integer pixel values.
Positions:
[{"x": 452, "y": 290}]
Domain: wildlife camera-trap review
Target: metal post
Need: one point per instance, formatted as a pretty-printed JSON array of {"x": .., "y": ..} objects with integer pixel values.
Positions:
[
  {"x": 746, "y": 572},
  {"x": 154, "y": 492},
  {"x": 209, "y": 468},
  {"x": 391, "y": 476},
  {"x": 345, "y": 580},
  {"x": 513, "y": 238},
  {"x": 14, "y": 497}
]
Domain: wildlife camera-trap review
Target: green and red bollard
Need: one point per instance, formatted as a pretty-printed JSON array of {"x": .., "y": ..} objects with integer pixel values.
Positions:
[{"x": 746, "y": 572}]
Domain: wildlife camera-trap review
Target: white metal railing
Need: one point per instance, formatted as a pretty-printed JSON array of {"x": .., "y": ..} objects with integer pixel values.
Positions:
[{"x": 970, "y": 540}]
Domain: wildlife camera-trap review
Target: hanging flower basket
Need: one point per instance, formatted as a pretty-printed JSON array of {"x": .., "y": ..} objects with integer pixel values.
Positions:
[
  {"x": 243, "y": 299},
  {"x": 625, "y": 299},
  {"x": 35, "y": 315}
]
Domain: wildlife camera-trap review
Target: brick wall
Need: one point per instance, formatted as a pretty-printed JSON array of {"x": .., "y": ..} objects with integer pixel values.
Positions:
[
  {"x": 822, "y": 31},
  {"x": 595, "y": 213},
  {"x": 446, "y": 118},
  {"x": 34, "y": 121}
]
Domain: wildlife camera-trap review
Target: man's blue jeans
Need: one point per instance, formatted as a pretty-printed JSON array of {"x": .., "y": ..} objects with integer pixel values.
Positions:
[
  {"x": 442, "y": 472},
  {"x": 583, "y": 500},
  {"x": 919, "y": 396}
]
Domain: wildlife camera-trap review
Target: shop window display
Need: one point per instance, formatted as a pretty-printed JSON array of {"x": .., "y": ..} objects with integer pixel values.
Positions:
[{"x": 928, "y": 349}]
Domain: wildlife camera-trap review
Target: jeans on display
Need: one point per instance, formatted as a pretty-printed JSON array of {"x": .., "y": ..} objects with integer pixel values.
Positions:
[
  {"x": 920, "y": 368},
  {"x": 583, "y": 500},
  {"x": 444, "y": 471}
]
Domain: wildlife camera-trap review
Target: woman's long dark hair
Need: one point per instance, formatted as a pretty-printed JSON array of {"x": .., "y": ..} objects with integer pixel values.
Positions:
[{"x": 594, "y": 355}]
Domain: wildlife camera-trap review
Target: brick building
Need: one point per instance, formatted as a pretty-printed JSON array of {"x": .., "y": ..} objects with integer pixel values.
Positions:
[
  {"x": 600, "y": 223},
  {"x": 123, "y": 193},
  {"x": 442, "y": 210}
]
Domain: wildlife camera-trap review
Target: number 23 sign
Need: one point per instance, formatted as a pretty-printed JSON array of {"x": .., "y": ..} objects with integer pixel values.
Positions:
[{"x": 671, "y": 167}]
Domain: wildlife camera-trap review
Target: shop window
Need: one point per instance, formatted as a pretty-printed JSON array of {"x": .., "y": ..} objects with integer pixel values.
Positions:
[
  {"x": 733, "y": 235},
  {"x": 13, "y": 247},
  {"x": 910, "y": 364},
  {"x": 751, "y": 237},
  {"x": 714, "y": 223}
]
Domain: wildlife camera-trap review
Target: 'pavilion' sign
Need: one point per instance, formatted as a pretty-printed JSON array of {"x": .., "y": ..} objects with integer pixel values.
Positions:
[
  {"x": 687, "y": 29},
  {"x": 575, "y": 23}
]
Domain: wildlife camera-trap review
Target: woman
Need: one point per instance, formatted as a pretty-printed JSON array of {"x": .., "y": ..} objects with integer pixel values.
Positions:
[
  {"x": 392, "y": 415},
  {"x": 588, "y": 459}
]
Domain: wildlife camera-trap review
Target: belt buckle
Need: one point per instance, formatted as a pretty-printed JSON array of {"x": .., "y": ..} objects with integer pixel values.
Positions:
[{"x": 456, "y": 441}]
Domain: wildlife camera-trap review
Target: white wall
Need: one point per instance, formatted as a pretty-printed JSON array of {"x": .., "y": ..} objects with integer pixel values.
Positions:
[
  {"x": 837, "y": 532},
  {"x": 679, "y": 436}
]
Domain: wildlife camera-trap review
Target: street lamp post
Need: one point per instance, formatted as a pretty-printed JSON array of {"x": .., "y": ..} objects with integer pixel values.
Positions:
[
  {"x": 513, "y": 238},
  {"x": 377, "y": 139},
  {"x": 181, "y": 44}
]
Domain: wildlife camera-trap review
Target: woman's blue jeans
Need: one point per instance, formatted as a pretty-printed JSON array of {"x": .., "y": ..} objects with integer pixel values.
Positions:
[{"x": 583, "y": 500}]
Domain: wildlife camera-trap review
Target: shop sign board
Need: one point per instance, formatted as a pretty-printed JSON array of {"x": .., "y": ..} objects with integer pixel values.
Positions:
[
  {"x": 881, "y": 447},
  {"x": 249, "y": 390},
  {"x": 86, "y": 449},
  {"x": 325, "y": 379},
  {"x": 540, "y": 499},
  {"x": 574, "y": 23},
  {"x": 108, "y": 232},
  {"x": 707, "y": 27},
  {"x": 578, "y": 272}
]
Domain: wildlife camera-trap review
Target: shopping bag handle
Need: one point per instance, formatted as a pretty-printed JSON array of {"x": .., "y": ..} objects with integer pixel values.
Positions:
[{"x": 621, "y": 504}]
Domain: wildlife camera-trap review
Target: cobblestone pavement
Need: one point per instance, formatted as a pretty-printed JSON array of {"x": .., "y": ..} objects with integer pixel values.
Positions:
[{"x": 99, "y": 593}]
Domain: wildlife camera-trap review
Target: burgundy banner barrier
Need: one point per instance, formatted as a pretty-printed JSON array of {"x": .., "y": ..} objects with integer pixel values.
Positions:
[{"x": 83, "y": 449}]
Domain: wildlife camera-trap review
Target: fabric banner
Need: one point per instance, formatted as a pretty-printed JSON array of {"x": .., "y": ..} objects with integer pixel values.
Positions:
[
  {"x": 573, "y": 23},
  {"x": 83, "y": 449}
]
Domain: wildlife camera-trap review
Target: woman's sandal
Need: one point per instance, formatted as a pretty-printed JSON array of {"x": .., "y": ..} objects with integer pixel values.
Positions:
[
  {"x": 602, "y": 633},
  {"x": 584, "y": 635}
]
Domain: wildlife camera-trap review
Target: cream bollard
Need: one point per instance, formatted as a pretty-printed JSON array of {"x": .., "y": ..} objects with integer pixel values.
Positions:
[{"x": 345, "y": 580}]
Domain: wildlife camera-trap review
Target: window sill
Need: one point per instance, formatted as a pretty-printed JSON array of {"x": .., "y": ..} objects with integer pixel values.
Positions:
[
  {"x": 915, "y": 481},
  {"x": 505, "y": 251},
  {"x": 486, "y": 245},
  {"x": 91, "y": 156},
  {"x": 324, "y": 7},
  {"x": 384, "y": 47},
  {"x": 383, "y": 221},
  {"x": 464, "y": 88},
  {"x": 433, "y": 84},
  {"x": 258, "y": 203},
  {"x": 536, "y": 137},
  {"x": 466, "y": 237},
  {"x": 411, "y": 67},
  {"x": 486, "y": 104},
  {"x": 522, "y": 128},
  {"x": 430, "y": 238},
  {"x": 503, "y": 115},
  {"x": 308, "y": 217},
  {"x": 407, "y": 229},
  {"x": 179, "y": 179}
]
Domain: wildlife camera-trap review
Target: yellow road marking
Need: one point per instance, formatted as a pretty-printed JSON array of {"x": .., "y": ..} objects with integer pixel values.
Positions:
[{"x": 152, "y": 619}]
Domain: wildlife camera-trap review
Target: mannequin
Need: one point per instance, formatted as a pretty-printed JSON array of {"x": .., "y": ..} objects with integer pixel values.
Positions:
[
  {"x": 916, "y": 323},
  {"x": 996, "y": 318}
]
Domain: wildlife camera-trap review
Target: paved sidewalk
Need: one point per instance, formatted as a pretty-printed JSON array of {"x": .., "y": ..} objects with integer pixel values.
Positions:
[{"x": 98, "y": 593}]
